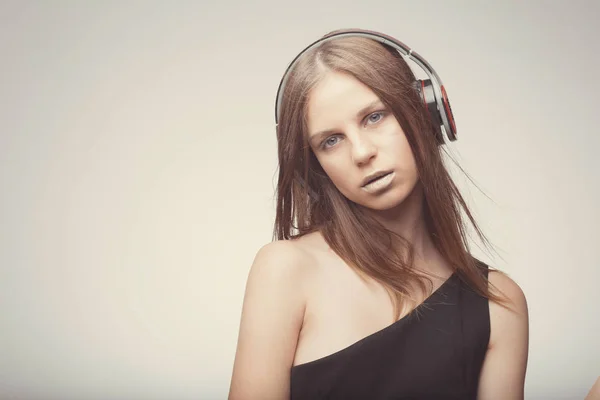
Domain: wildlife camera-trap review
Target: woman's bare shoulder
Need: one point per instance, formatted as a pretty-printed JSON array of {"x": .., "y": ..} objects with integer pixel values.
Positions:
[
  {"x": 290, "y": 263},
  {"x": 272, "y": 316},
  {"x": 283, "y": 258}
]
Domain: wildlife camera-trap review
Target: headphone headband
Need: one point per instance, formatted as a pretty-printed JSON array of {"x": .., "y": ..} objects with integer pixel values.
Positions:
[{"x": 439, "y": 99}]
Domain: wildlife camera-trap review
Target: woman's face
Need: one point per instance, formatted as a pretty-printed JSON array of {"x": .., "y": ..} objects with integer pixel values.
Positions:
[{"x": 353, "y": 135}]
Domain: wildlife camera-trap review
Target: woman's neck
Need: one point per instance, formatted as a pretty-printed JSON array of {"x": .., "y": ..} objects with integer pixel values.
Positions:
[{"x": 407, "y": 220}]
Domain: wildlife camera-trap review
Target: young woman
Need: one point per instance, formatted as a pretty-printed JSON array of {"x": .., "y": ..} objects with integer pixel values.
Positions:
[{"x": 370, "y": 291}]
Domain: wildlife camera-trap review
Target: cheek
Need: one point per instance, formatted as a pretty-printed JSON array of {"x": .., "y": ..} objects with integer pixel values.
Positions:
[
  {"x": 338, "y": 172},
  {"x": 335, "y": 173},
  {"x": 401, "y": 152},
  {"x": 404, "y": 155}
]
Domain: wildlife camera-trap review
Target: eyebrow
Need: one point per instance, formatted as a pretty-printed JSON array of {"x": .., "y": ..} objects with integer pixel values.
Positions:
[{"x": 374, "y": 104}]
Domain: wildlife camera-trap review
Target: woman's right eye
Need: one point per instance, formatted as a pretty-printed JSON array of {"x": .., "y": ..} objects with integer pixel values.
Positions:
[{"x": 327, "y": 142}]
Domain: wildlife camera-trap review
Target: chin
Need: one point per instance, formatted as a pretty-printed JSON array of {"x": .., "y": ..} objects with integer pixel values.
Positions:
[
  {"x": 385, "y": 204},
  {"x": 391, "y": 199}
]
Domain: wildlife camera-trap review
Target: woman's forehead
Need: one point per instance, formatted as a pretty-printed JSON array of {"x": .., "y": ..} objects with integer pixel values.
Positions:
[{"x": 337, "y": 96}]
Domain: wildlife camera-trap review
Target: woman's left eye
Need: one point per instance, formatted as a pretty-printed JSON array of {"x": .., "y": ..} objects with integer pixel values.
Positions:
[{"x": 375, "y": 117}]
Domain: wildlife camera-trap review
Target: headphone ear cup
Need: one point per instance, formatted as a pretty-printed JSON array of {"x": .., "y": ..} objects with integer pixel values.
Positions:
[{"x": 424, "y": 88}]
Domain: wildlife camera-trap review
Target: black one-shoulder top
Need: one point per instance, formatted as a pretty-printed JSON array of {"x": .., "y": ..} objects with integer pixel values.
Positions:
[{"x": 435, "y": 352}]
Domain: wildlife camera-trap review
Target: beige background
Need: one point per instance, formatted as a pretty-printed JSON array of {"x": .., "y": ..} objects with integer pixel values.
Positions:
[{"x": 138, "y": 161}]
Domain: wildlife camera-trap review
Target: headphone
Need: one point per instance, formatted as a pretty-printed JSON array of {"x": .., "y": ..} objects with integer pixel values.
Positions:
[{"x": 431, "y": 90}]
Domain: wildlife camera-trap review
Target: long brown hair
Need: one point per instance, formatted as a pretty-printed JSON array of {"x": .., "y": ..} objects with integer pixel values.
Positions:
[{"x": 307, "y": 200}]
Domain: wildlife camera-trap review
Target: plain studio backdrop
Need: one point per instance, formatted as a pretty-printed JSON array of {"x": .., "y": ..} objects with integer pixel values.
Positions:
[{"x": 138, "y": 163}]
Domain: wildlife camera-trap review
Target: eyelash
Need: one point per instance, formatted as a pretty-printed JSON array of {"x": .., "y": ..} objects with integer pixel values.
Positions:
[{"x": 382, "y": 113}]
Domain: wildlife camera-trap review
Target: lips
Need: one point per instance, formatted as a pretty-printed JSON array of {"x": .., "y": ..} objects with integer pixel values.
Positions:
[{"x": 375, "y": 176}]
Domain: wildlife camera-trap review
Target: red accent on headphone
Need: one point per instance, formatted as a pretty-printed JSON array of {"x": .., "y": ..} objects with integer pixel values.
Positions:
[
  {"x": 448, "y": 110},
  {"x": 423, "y": 92}
]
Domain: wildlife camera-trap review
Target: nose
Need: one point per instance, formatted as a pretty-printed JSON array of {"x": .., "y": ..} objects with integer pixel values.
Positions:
[{"x": 363, "y": 149}]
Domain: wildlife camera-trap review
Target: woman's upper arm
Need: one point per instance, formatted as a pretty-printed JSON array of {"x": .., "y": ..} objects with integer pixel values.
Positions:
[
  {"x": 504, "y": 368},
  {"x": 272, "y": 315}
]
